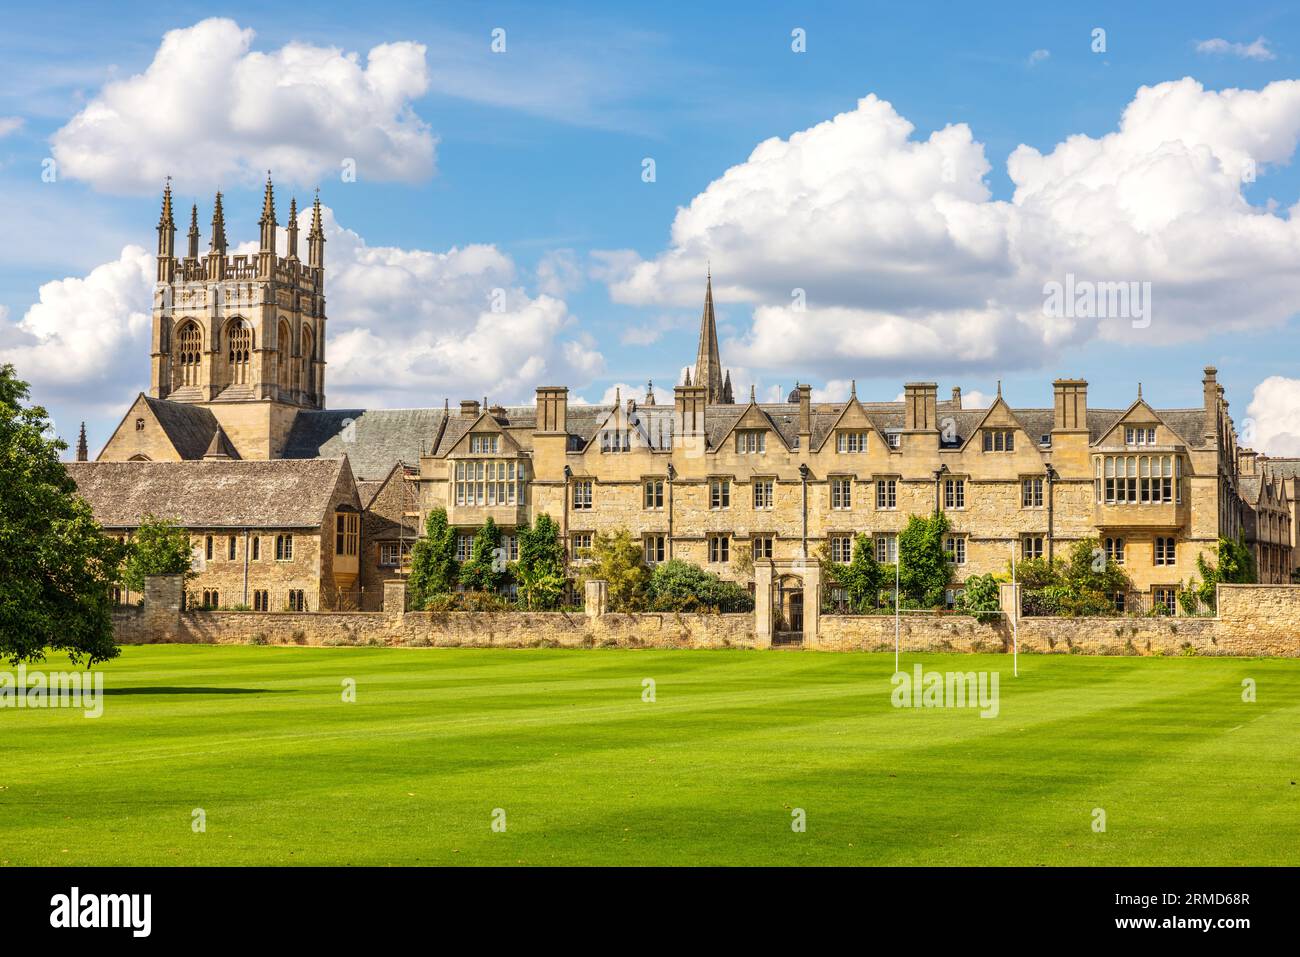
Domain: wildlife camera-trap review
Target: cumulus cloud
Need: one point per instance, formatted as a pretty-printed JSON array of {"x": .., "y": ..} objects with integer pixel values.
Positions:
[
  {"x": 1247, "y": 51},
  {"x": 856, "y": 245},
  {"x": 1271, "y": 424},
  {"x": 559, "y": 273},
  {"x": 10, "y": 124},
  {"x": 406, "y": 327},
  {"x": 88, "y": 336},
  {"x": 210, "y": 109}
]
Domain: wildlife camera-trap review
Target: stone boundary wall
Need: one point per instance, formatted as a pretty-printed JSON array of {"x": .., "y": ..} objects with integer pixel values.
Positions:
[
  {"x": 1253, "y": 620},
  {"x": 440, "y": 629}
]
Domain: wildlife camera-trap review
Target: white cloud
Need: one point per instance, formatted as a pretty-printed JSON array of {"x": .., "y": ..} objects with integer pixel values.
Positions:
[
  {"x": 406, "y": 326},
  {"x": 1271, "y": 425},
  {"x": 882, "y": 233},
  {"x": 10, "y": 124},
  {"x": 559, "y": 273},
  {"x": 210, "y": 109},
  {"x": 88, "y": 336},
  {"x": 1247, "y": 51},
  {"x": 1038, "y": 56}
]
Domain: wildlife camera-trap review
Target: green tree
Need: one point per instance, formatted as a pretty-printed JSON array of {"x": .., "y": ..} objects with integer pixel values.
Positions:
[
  {"x": 1082, "y": 583},
  {"x": 434, "y": 570},
  {"x": 484, "y": 571},
  {"x": 861, "y": 578},
  {"x": 680, "y": 586},
  {"x": 925, "y": 569},
  {"x": 57, "y": 568},
  {"x": 980, "y": 598},
  {"x": 159, "y": 547},
  {"x": 540, "y": 569},
  {"x": 1236, "y": 565},
  {"x": 616, "y": 558}
]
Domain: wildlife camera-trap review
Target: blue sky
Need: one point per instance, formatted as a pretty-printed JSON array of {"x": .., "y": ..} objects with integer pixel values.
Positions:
[{"x": 539, "y": 155}]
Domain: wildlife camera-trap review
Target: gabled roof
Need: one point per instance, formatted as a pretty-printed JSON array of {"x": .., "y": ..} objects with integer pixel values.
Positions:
[
  {"x": 772, "y": 419},
  {"x": 1187, "y": 424},
  {"x": 218, "y": 493},
  {"x": 483, "y": 422},
  {"x": 825, "y": 423},
  {"x": 374, "y": 440},
  {"x": 189, "y": 428},
  {"x": 998, "y": 403}
]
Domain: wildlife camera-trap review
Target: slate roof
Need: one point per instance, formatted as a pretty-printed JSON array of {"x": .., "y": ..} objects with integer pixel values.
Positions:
[
  {"x": 281, "y": 493},
  {"x": 190, "y": 427},
  {"x": 374, "y": 440},
  {"x": 382, "y": 438},
  {"x": 1282, "y": 468}
]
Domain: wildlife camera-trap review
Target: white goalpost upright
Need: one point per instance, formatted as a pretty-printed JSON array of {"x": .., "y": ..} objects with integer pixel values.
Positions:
[
  {"x": 898, "y": 561},
  {"x": 1015, "y": 616}
]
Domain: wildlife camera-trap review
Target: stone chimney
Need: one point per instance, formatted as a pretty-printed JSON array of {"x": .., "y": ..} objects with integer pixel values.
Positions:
[
  {"x": 469, "y": 407},
  {"x": 1212, "y": 392},
  {"x": 920, "y": 406},
  {"x": 552, "y": 408},
  {"x": 1246, "y": 461},
  {"x": 1070, "y": 405},
  {"x": 956, "y": 397},
  {"x": 805, "y": 412},
  {"x": 688, "y": 407}
]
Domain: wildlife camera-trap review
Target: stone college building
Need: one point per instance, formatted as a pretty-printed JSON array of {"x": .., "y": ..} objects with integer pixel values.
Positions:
[{"x": 292, "y": 505}]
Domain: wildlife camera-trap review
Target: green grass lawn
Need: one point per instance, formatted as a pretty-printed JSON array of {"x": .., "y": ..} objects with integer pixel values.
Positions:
[{"x": 709, "y": 773}]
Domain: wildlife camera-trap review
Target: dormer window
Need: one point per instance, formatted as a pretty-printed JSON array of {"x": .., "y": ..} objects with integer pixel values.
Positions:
[
  {"x": 895, "y": 439},
  {"x": 850, "y": 442},
  {"x": 751, "y": 442},
  {"x": 615, "y": 440},
  {"x": 485, "y": 443},
  {"x": 1140, "y": 435},
  {"x": 999, "y": 440}
]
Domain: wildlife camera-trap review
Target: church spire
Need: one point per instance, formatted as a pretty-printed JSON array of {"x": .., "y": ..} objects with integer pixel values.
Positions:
[
  {"x": 266, "y": 251},
  {"x": 166, "y": 237},
  {"x": 217, "y": 245},
  {"x": 708, "y": 367},
  {"x": 216, "y": 268},
  {"x": 292, "y": 230},
  {"x": 316, "y": 237},
  {"x": 193, "y": 251}
]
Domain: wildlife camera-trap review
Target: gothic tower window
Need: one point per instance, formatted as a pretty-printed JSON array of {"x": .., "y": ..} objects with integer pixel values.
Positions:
[
  {"x": 308, "y": 365},
  {"x": 189, "y": 346},
  {"x": 284, "y": 349},
  {"x": 239, "y": 351}
]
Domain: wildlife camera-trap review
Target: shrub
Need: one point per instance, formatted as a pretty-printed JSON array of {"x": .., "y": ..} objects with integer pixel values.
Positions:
[
  {"x": 980, "y": 598},
  {"x": 434, "y": 570},
  {"x": 484, "y": 570},
  {"x": 1082, "y": 584},
  {"x": 616, "y": 558},
  {"x": 1236, "y": 565},
  {"x": 158, "y": 547},
  {"x": 925, "y": 570},
  {"x": 540, "y": 569},
  {"x": 680, "y": 586},
  {"x": 861, "y": 578}
]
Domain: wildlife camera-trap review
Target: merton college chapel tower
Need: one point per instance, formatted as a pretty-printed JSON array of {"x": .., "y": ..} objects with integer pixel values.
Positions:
[{"x": 241, "y": 336}]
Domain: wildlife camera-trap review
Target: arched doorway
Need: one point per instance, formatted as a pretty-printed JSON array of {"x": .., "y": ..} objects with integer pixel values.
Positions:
[{"x": 788, "y": 611}]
